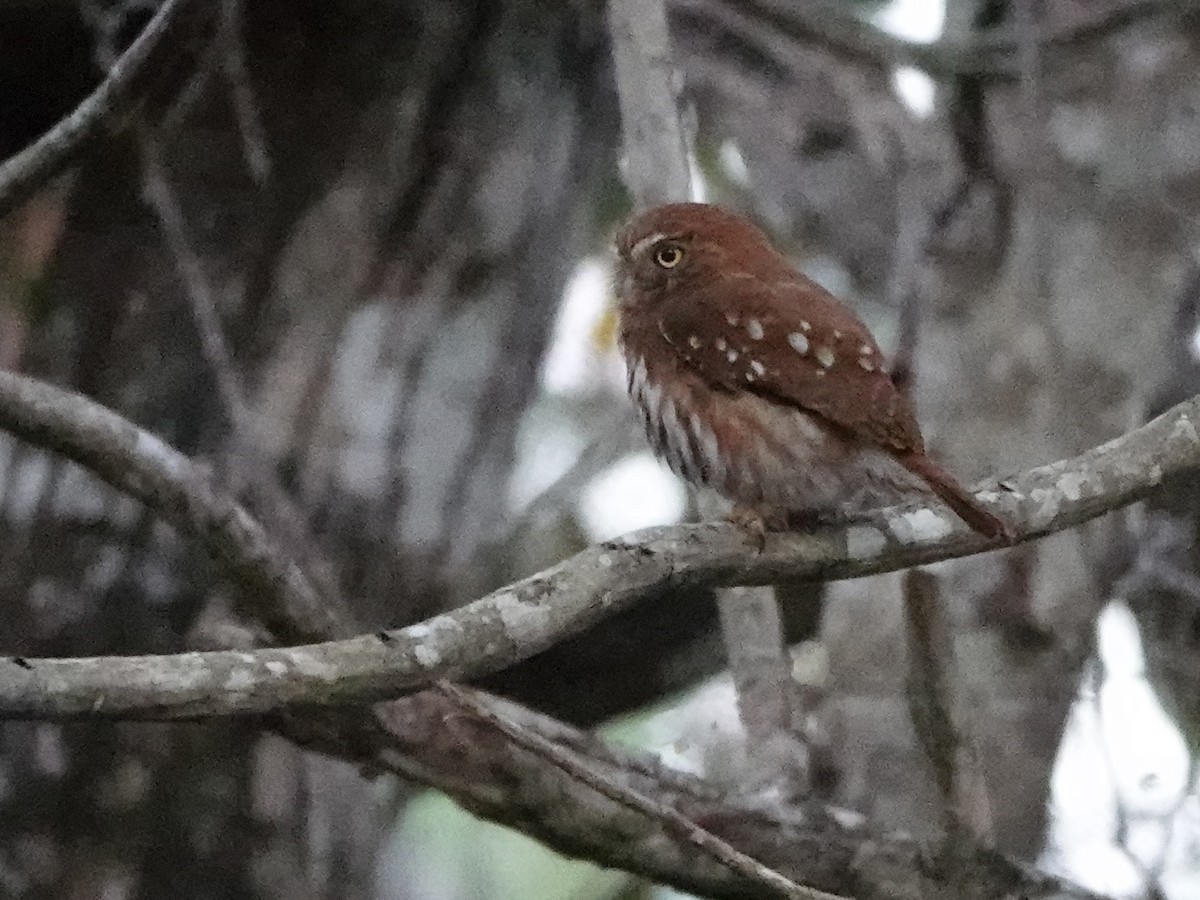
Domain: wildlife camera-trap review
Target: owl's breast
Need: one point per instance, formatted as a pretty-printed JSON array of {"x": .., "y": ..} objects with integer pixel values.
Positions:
[{"x": 752, "y": 450}]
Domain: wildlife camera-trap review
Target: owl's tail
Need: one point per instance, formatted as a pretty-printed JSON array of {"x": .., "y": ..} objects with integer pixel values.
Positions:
[{"x": 955, "y": 496}]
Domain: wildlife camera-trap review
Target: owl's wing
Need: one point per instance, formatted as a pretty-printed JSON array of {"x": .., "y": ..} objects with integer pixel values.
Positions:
[{"x": 795, "y": 344}]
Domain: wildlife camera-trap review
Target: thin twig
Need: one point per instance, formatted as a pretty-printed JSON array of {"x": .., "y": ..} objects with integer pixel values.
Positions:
[
  {"x": 672, "y": 820},
  {"x": 200, "y": 293},
  {"x": 245, "y": 106},
  {"x": 104, "y": 111},
  {"x": 913, "y": 228},
  {"x": 1039, "y": 172}
]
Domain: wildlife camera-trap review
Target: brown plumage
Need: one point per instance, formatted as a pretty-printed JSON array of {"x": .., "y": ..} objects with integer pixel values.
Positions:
[{"x": 755, "y": 381}]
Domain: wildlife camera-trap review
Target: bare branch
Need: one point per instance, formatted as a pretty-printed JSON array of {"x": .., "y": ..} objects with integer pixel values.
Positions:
[
  {"x": 105, "y": 110},
  {"x": 516, "y": 621},
  {"x": 679, "y": 825},
  {"x": 241, "y": 92}
]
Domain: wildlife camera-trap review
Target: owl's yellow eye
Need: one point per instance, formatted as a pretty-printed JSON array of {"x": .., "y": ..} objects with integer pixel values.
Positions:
[{"x": 669, "y": 255}]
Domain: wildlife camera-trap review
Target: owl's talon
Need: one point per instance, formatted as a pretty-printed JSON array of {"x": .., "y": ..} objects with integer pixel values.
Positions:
[{"x": 756, "y": 523}]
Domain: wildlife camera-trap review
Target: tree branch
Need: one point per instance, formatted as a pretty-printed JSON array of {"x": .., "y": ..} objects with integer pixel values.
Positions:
[
  {"x": 498, "y": 778},
  {"x": 683, "y": 828},
  {"x": 828, "y": 26},
  {"x": 516, "y": 621},
  {"x": 140, "y": 464},
  {"x": 656, "y": 161},
  {"x": 102, "y": 112}
]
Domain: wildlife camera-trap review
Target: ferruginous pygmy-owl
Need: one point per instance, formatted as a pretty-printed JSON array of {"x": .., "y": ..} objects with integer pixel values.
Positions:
[{"x": 754, "y": 381}]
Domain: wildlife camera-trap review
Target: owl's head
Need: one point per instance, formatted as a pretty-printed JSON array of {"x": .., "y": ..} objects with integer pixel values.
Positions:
[{"x": 681, "y": 245}]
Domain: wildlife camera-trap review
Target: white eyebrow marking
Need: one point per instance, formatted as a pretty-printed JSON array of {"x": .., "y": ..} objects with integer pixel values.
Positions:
[
  {"x": 754, "y": 329},
  {"x": 799, "y": 342},
  {"x": 825, "y": 356},
  {"x": 645, "y": 242}
]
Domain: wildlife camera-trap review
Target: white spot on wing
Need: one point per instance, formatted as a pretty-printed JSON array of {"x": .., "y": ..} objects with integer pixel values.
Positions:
[
  {"x": 721, "y": 345},
  {"x": 759, "y": 368},
  {"x": 825, "y": 356},
  {"x": 731, "y": 318},
  {"x": 732, "y": 355},
  {"x": 805, "y": 326},
  {"x": 865, "y": 350},
  {"x": 694, "y": 342},
  {"x": 837, "y": 334},
  {"x": 799, "y": 342},
  {"x": 754, "y": 329},
  {"x": 866, "y": 364}
]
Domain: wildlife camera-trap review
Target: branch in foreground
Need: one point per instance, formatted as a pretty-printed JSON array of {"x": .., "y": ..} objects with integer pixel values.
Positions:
[
  {"x": 100, "y": 113},
  {"x": 832, "y": 849},
  {"x": 684, "y": 829},
  {"x": 514, "y": 622}
]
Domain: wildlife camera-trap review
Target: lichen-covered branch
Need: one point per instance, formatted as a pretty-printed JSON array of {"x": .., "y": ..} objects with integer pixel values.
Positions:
[{"x": 516, "y": 621}]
